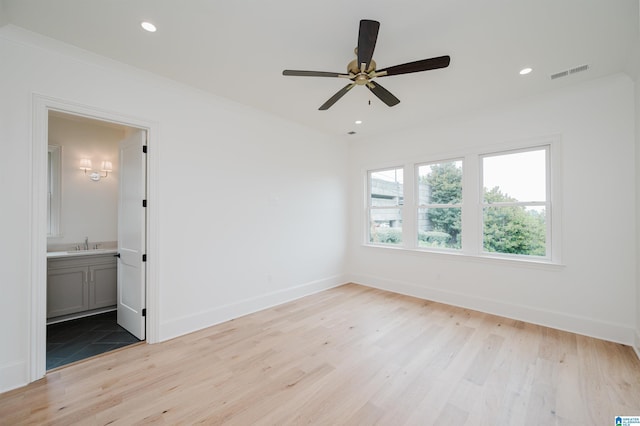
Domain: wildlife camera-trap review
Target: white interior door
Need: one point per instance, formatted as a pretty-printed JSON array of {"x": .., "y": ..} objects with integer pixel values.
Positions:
[{"x": 132, "y": 234}]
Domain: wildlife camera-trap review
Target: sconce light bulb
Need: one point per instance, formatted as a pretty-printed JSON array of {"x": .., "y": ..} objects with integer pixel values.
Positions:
[{"x": 85, "y": 164}]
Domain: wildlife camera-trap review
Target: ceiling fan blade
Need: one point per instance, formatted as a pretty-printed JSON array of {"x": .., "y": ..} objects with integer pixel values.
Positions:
[
  {"x": 332, "y": 100},
  {"x": 383, "y": 94},
  {"x": 416, "y": 66},
  {"x": 367, "y": 37},
  {"x": 313, "y": 73}
]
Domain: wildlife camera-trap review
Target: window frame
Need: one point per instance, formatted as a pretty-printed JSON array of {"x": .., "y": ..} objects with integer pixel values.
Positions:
[
  {"x": 419, "y": 206},
  {"x": 369, "y": 207},
  {"x": 472, "y": 202},
  {"x": 54, "y": 190},
  {"x": 530, "y": 203}
]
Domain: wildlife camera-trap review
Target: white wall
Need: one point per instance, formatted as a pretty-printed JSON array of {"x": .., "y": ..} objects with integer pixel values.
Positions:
[
  {"x": 594, "y": 292},
  {"x": 251, "y": 209},
  {"x": 637, "y": 158},
  {"x": 89, "y": 208},
  {"x": 637, "y": 164}
]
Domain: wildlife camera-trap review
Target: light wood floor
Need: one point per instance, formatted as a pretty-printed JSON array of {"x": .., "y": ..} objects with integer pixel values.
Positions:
[{"x": 350, "y": 355}]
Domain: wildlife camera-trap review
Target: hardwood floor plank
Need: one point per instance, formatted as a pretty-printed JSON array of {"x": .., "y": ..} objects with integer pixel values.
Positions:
[
  {"x": 483, "y": 362},
  {"x": 451, "y": 415},
  {"x": 351, "y": 355},
  {"x": 541, "y": 407}
]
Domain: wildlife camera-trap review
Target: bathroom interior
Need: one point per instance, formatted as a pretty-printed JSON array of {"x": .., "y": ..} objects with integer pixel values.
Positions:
[{"x": 82, "y": 239}]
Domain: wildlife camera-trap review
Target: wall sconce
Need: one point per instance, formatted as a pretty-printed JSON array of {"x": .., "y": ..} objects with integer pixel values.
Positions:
[{"x": 85, "y": 164}]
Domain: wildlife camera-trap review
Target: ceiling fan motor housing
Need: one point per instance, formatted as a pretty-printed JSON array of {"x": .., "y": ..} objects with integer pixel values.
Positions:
[{"x": 360, "y": 77}]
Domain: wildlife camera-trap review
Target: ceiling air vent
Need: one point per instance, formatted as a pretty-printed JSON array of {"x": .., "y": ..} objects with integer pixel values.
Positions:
[
  {"x": 569, "y": 71},
  {"x": 559, "y": 74}
]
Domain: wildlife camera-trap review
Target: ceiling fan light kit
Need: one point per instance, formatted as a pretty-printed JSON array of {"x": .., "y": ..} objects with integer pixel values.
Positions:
[{"x": 362, "y": 70}]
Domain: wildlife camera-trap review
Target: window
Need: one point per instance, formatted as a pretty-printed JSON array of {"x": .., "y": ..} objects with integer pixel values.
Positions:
[
  {"x": 53, "y": 190},
  {"x": 385, "y": 203},
  {"x": 440, "y": 205},
  {"x": 515, "y": 202},
  {"x": 488, "y": 203}
]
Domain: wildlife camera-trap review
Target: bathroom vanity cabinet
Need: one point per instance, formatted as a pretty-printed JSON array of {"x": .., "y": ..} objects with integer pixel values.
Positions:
[{"x": 78, "y": 284}]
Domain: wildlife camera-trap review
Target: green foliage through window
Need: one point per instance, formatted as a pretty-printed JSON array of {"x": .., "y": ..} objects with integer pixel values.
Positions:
[
  {"x": 515, "y": 202},
  {"x": 386, "y": 235},
  {"x": 513, "y": 229},
  {"x": 440, "y": 189}
]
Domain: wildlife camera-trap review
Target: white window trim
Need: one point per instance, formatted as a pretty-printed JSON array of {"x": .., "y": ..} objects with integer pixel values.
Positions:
[
  {"x": 55, "y": 191},
  {"x": 418, "y": 206},
  {"x": 368, "y": 207},
  {"x": 547, "y": 204},
  {"x": 472, "y": 203}
]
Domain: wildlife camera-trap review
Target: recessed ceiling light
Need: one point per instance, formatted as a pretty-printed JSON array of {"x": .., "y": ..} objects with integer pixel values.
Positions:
[
  {"x": 358, "y": 121},
  {"x": 148, "y": 26},
  {"x": 525, "y": 71}
]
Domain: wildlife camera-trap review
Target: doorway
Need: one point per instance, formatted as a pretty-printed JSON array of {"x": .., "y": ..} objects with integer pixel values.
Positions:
[
  {"x": 95, "y": 170},
  {"x": 147, "y": 286}
]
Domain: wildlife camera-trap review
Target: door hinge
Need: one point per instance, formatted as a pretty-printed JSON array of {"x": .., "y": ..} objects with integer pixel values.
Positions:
[
  {"x": 144, "y": 312},
  {"x": 144, "y": 149},
  {"x": 144, "y": 203},
  {"x": 144, "y": 257}
]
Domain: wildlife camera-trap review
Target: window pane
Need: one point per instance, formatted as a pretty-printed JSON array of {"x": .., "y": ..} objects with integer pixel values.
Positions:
[
  {"x": 54, "y": 193},
  {"x": 49, "y": 191},
  {"x": 519, "y": 176},
  {"x": 386, "y": 226},
  {"x": 515, "y": 230},
  {"x": 440, "y": 227},
  {"x": 440, "y": 183},
  {"x": 386, "y": 188}
]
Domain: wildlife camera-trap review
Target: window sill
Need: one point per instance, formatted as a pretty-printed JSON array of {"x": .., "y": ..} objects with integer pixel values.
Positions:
[{"x": 485, "y": 259}]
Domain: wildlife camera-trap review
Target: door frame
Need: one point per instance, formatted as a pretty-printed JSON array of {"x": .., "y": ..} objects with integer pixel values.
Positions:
[{"x": 41, "y": 105}]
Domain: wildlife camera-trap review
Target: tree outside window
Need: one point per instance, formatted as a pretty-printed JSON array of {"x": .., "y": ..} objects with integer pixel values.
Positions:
[
  {"x": 515, "y": 203},
  {"x": 440, "y": 205}
]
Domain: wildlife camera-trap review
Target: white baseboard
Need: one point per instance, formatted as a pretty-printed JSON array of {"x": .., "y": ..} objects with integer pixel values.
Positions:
[
  {"x": 188, "y": 324},
  {"x": 13, "y": 376},
  {"x": 636, "y": 343},
  {"x": 576, "y": 324}
]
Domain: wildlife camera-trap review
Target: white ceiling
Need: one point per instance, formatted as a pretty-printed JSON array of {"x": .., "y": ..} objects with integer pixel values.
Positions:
[{"x": 238, "y": 49}]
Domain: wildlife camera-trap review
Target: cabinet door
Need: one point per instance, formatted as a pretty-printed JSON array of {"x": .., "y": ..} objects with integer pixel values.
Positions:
[
  {"x": 103, "y": 285},
  {"x": 67, "y": 291}
]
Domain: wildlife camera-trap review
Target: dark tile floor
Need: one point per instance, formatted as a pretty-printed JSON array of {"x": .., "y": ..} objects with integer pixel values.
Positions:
[{"x": 82, "y": 338}]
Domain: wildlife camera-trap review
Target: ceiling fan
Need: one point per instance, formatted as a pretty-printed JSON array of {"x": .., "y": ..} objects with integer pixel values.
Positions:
[{"x": 362, "y": 71}]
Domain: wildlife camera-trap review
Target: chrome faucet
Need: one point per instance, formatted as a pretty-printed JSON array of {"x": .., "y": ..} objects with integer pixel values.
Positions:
[{"x": 86, "y": 243}]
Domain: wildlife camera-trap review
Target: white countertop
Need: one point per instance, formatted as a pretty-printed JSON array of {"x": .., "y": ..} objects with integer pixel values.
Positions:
[{"x": 73, "y": 253}]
